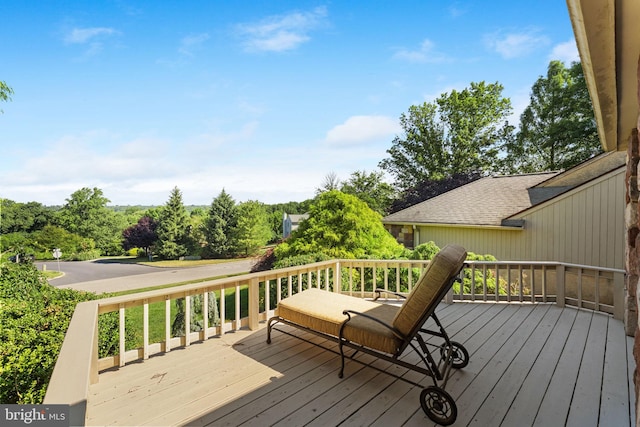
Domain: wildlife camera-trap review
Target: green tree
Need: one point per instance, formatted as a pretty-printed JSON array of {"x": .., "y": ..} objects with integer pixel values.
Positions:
[
  {"x": 173, "y": 228},
  {"x": 219, "y": 224},
  {"x": 557, "y": 129},
  {"x": 371, "y": 189},
  {"x": 252, "y": 230},
  {"x": 5, "y": 93},
  {"x": 50, "y": 237},
  {"x": 341, "y": 226},
  {"x": 23, "y": 217},
  {"x": 458, "y": 133},
  {"x": 330, "y": 182},
  {"x": 86, "y": 214}
]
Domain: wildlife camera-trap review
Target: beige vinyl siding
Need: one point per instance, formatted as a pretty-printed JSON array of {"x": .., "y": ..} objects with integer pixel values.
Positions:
[{"x": 582, "y": 226}]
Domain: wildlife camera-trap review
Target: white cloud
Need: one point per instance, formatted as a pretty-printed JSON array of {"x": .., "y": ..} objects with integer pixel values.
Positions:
[
  {"x": 84, "y": 35},
  {"x": 360, "y": 129},
  {"x": 191, "y": 43},
  {"x": 515, "y": 45},
  {"x": 424, "y": 54},
  {"x": 566, "y": 52},
  {"x": 282, "y": 32}
]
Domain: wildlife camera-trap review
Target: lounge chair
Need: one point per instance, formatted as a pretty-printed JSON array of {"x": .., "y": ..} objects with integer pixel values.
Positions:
[{"x": 385, "y": 331}]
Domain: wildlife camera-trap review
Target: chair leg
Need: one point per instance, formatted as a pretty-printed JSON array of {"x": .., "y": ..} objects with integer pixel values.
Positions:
[
  {"x": 269, "y": 326},
  {"x": 341, "y": 373}
]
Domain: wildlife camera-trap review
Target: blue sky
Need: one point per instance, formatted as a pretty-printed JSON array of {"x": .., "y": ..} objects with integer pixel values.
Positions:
[{"x": 261, "y": 98}]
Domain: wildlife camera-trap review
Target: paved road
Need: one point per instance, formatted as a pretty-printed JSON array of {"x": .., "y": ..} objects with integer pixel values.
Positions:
[{"x": 108, "y": 276}]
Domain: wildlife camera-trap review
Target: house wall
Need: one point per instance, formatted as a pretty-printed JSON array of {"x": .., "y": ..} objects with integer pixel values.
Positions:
[{"x": 583, "y": 226}]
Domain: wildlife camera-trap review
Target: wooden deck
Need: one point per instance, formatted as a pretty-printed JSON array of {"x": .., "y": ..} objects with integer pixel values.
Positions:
[{"x": 530, "y": 365}]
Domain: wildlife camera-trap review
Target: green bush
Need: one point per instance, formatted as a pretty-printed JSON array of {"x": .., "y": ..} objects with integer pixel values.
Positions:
[
  {"x": 34, "y": 318},
  {"x": 425, "y": 251}
]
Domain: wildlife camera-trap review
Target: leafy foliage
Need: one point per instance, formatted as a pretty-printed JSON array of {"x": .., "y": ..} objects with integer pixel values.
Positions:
[
  {"x": 371, "y": 189},
  {"x": 86, "y": 214},
  {"x": 5, "y": 92},
  {"x": 252, "y": 230},
  {"x": 425, "y": 251},
  {"x": 23, "y": 217},
  {"x": 141, "y": 235},
  {"x": 341, "y": 226},
  {"x": 460, "y": 132},
  {"x": 558, "y": 128},
  {"x": 34, "y": 318}
]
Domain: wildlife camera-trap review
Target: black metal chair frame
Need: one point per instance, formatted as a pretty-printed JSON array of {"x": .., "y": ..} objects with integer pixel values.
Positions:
[{"x": 435, "y": 401}]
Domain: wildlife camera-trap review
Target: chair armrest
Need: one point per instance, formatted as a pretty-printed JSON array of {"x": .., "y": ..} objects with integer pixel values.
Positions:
[
  {"x": 380, "y": 290},
  {"x": 348, "y": 313}
]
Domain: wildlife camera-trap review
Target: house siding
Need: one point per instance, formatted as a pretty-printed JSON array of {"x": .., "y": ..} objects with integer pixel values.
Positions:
[{"x": 583, "y": 226}]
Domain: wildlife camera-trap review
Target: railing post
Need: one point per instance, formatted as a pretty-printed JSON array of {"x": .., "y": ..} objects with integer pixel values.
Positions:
[
  {"x": 618, "y": 296},
  {"x": 560, "y": 284},
  {"x": 254, "y": 304},
  {"x": 337, "y": 278}
]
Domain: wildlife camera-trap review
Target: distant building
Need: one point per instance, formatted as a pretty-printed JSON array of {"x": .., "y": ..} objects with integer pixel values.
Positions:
[{"x": 291, "y": 222}]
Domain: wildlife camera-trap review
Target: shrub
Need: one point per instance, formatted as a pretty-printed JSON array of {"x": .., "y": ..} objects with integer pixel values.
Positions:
[
  {"x": 425, "y": 251},
  {"x": 34, "y": 318}
]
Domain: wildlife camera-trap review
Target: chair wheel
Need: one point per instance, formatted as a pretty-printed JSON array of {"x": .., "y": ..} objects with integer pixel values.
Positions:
[
  {"x": 438, "y": 405},
  {"x": 459, "y": 354}
]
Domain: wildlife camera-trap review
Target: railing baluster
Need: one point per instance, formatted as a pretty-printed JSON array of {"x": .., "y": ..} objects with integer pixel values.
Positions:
[
  {"x": 580, "y": 287},
  {"x": 508, "y": 283},
  {"x": 145, "y": 329},
  {"x": 167, "y": 324},
  {"x": 205, "y": 316},
  {"x": 544, "y": 283},
  {"x": 223, "y": 310},
  {"x": 238, "y": 307},
  {"x": 267, "y": 296},
  {"x": 521, "y": 283},
  {"x": 532, "y": 288},
  {"x": 472, "y": 285},
  {"x": 596, "y": 292},
  {"x": 121, "y": 330},
  {"x": 497, "y": 278},
  {"x": 187, "y": 320}
]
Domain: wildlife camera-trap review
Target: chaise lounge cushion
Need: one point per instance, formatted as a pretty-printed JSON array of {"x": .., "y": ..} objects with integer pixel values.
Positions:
[
  {"x": 430, "y": 289},
  {"x": 322, "y": 311}
]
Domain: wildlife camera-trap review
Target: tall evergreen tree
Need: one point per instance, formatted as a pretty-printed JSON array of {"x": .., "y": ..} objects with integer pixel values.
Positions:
[
  {"x": 219, "y": 224},
  {"x": 557, "y": 129},
  {"x": 173, "y": 228}
]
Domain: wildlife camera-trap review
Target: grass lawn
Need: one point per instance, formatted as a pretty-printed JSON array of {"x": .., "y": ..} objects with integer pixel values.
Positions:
[{"x": 157, "y": 314}]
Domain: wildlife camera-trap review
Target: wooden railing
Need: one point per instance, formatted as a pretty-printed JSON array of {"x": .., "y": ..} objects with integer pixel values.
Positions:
[{"x": 244, "y": 301}]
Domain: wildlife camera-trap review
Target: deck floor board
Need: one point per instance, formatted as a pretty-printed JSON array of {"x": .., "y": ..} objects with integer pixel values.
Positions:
[{"x": 529, "y": 365}]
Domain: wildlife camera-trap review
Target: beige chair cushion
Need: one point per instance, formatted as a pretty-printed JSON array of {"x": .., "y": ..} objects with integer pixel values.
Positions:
[
  {"x": 444, "y": 265},
  {"x": 322, "y": 311}
]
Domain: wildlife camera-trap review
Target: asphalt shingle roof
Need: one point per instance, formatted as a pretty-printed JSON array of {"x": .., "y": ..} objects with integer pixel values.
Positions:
[{"x": 482, "y": 202}]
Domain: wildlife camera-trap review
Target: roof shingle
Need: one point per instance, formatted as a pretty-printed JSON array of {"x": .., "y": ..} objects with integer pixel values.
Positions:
[{"x": 483, "y": 202}]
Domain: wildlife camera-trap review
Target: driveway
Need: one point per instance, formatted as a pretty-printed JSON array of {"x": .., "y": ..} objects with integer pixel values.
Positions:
[{"x": 102, "y": 276}]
